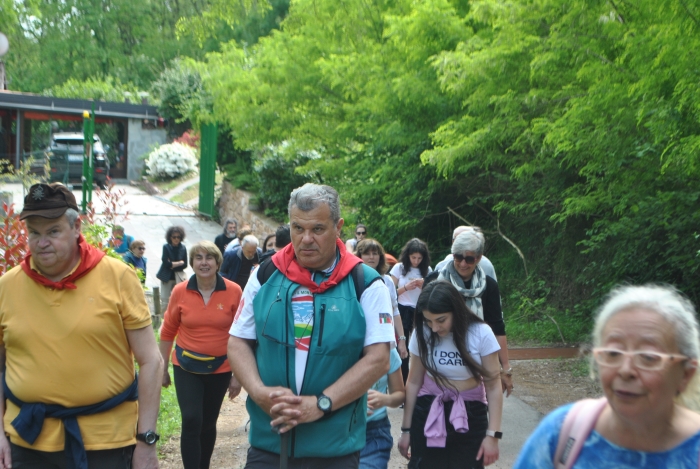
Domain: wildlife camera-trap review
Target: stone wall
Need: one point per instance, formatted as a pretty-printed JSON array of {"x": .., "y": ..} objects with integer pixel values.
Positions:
[
  {"x": 141, "y": 142},
  {"x": 235, "y": 203}
]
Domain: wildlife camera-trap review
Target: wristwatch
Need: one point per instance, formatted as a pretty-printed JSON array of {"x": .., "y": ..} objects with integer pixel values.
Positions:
[
  {"x": 497, "y": 435},
  {"x": 150, "y": 437},
  {"x": 403, "y": 337},
  {"x": 324, "y": 404}
]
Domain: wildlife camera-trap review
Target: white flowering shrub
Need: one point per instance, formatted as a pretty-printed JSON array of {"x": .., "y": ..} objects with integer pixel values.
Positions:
[{"x": 171, "y": 160}]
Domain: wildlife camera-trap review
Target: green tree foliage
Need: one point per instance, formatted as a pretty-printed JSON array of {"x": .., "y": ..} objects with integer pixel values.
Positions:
[
  {"x": 243, "y": 21},
  {"x": 353, "y": 82},
  {"x": 109, "y": 89},
  {"x": 130, "y": 40},
  {"x": 179, "y": 90},
  {"x": 569, "y": 127},
  {"x": 597, "y": 138}
]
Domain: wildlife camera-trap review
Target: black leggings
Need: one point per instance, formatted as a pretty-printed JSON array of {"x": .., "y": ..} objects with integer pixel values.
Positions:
[
  {"x": 460, "y": 449},
  {"x": 406, "y": 313},
  {"x": 200, "y": 398}
]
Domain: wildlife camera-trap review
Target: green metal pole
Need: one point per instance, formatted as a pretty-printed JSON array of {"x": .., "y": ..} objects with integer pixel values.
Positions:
[
  {"x": 91, "y": 159},
  {"x": 207, "y": 169},
  {"x": 87, "y": 151}
]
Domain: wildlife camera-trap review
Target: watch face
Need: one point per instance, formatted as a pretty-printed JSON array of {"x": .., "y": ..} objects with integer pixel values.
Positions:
[
  {"x": 151, "y": 438},
  {"x": 324, "y": 403}
]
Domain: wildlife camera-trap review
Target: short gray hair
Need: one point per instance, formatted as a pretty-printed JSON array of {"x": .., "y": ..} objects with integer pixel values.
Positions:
[
  {"x": 71, "y": 215},
  {"x": 309, "y": 196},
  {"x": 671, "y": 305},
  {"x": 249, "y": 239},
  {"x": 469, "y": 241},
  {"x": 461, "y": 229},
  {"x": 664, "y": 300}
]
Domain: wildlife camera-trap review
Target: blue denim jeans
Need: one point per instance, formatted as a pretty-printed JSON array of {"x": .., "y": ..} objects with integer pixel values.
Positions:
[{"x": 377, "y": 450}]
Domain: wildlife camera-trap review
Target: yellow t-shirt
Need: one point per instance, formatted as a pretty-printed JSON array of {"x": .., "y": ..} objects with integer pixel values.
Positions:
[{"x": 69, "y": 347}]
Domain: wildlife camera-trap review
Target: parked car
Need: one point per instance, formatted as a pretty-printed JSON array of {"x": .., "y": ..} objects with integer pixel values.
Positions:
[{"x": 65, "y": 154}]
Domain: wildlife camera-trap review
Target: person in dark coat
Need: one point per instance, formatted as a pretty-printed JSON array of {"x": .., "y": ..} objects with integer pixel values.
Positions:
[
  {"x": 229, "y": 234},
  {"x": 174, "y": 263}
]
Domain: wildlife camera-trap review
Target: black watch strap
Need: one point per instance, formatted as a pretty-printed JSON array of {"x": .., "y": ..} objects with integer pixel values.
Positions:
[
  {"x": 150, "y": 437},
  {"x": 325, "y": 404}
]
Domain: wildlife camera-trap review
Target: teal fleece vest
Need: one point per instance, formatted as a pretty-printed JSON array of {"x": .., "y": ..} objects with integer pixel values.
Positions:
[{"x": 337, "y": 342}]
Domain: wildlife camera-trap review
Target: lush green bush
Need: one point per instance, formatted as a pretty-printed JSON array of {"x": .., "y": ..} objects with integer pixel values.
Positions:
[
  {"x": 278, "y": 170},
  {"x": 272, "y": 173}
]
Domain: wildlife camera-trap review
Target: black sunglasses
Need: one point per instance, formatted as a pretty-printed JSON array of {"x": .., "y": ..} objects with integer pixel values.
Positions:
[
  {"x": 468, "y": 259},
  {"x": 361, "y": 232}
]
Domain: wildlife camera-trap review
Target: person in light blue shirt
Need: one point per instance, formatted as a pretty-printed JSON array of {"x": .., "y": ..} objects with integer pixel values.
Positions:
[
  {"x": 119, "y": 241},
  {"x": 377, "y": 451},
  {"x": 646, "y": 347}
]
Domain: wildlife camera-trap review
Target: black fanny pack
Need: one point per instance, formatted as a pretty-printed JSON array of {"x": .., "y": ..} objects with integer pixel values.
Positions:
[{"x": 196, "y": 362}]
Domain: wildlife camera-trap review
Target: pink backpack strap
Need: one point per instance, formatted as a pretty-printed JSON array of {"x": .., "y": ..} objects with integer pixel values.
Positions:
[{"x": 578, "y": 424}]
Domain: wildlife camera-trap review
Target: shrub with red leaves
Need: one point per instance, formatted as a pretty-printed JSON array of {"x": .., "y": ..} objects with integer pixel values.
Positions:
[
  {"x": 13, "y": 240},
  {"x": 189, "y": 138}
]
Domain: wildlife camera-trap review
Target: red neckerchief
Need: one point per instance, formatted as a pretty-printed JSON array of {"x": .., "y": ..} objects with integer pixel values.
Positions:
[
  {"x": 89, "y": 257},
  {"x": 286, "y": 262}
]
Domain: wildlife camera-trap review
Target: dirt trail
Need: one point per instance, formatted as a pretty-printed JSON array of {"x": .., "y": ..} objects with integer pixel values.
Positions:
[{"x": 543, "y": 384}]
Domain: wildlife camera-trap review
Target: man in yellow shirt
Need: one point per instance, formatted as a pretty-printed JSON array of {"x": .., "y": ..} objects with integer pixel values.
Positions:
[{"x": 71, "y": 323}]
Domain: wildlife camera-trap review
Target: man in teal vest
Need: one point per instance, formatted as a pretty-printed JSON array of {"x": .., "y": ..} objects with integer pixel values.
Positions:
[{"x": 305, "y": 348}]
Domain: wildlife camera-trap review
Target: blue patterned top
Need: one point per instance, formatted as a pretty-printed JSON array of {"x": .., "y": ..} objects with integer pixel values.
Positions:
[{"x": 599, "y": 453}]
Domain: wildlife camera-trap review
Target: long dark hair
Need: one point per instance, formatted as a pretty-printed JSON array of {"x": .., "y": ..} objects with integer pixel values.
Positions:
[
  {"x": 437, "y": 298},
  {"x": 415, "y": 246},
  {"x": 264, "y": 246},
  {"x": 372, "y": 245}
]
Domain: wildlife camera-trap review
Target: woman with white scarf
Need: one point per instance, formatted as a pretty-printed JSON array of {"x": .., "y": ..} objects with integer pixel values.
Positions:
[{"x": 480, "y": 293}]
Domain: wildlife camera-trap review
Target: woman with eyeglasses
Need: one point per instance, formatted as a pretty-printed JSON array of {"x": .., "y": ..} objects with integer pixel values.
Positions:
[
  {"x": 408, "y": 275},
  {"x": 645, "y": 354},
  {"x": 360, "y": 234},
  {"x": 134, "y": 257},
  {"x": 452, "y": 418},
  {"x": 480, "y": 293},
  {"x": 174, "y": 259}
]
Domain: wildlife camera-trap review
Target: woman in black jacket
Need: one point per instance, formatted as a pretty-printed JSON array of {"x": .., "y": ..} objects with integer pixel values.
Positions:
[{"x": 174, "y": 263}]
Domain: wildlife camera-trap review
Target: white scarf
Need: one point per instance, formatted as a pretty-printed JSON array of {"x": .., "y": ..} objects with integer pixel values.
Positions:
[{"x": 472, "y": 296}]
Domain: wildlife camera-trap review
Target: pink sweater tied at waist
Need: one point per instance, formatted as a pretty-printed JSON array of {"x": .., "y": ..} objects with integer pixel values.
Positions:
[{"x": 435, "y": 430}]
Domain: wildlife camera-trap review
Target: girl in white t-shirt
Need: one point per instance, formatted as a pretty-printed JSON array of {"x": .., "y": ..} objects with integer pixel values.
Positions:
[
  {"x": 408, "y": 275},
  {"x": 454, "y": 379}
]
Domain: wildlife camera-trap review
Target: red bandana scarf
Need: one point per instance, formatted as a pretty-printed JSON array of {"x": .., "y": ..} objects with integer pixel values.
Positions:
[
  {"x": 89, "y": 257},
  {"x": 286, "y": 262}
]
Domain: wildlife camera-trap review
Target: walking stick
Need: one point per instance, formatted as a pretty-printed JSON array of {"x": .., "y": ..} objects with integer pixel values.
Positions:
[{"x": 284, "y": 444}]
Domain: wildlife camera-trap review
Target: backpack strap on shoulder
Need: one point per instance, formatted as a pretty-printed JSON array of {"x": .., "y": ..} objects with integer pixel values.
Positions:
[
  {"x": 578, "y": 424},
  {"x": 265, "y": 271},
  {"x": 358, "y": 279}
]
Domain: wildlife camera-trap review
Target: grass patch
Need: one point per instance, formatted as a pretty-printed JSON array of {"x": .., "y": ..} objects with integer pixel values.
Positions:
[
  {"x": 580, "y": 367},
  {"x": 169, "y": 418},
  {"x": 548, "y": 328},
  {"x": 169, "y": 184},
  {"x": 188, "y": 194}
]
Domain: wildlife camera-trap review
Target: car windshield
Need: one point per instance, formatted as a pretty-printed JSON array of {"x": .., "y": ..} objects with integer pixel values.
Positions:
[{"x": 69, "y": 141}]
